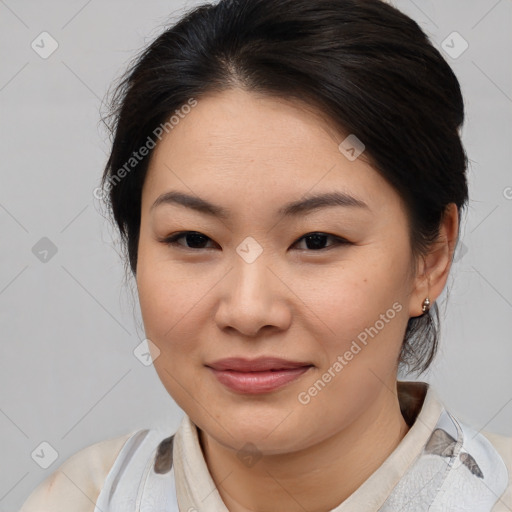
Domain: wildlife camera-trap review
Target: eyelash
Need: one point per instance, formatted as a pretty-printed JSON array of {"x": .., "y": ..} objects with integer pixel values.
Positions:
[{"x": 173, "y": 240}]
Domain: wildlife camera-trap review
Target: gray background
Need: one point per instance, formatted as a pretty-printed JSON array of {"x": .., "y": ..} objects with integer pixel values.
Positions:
[{"x": 69, "y": 325}]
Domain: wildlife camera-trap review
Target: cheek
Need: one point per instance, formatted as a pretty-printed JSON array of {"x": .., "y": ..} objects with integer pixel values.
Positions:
[
  {"x": 167, "y": 309},
  {"x": 361, "y": 308},
  {"x": 166, "y": 297},
  {"x": 347, "y": 299},
  {"x": 169, "y": 316},
  {"x": 176, "y": 305},
  {"x": 363, "y": 322}
]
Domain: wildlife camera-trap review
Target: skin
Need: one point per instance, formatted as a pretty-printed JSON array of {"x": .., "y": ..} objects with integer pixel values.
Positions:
[{"x": 252, "y": 154}]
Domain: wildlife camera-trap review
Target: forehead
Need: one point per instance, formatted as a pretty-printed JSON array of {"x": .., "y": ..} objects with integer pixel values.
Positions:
[
  {"x": 237, "y": 122},
  {"x": 254, "y": 148}
]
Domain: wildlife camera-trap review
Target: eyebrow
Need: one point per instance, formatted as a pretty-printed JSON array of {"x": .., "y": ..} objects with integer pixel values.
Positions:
[{"x": 292, "y": 209}]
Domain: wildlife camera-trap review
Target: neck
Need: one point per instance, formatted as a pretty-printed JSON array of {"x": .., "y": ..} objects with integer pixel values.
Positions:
[{"x": 316, "y": 479}]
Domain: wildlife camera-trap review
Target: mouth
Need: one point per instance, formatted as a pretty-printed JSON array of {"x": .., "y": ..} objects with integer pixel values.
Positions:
[
  {"x": 261, "y": 364},
  {"x": 261, "y": 375}
]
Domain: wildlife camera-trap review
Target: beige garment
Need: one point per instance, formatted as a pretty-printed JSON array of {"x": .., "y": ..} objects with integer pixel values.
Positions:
[{"x": 77, "y": 483}]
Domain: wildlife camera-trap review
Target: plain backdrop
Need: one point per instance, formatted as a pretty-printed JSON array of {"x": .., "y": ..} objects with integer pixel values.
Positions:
[{"x": 69, "y": 325}]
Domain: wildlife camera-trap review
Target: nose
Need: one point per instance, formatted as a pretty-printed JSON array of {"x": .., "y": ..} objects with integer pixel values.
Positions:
[{"x": 253, "y": 298}]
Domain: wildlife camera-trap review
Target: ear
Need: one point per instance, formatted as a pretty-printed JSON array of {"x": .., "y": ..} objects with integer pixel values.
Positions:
[{"x": 434, "y": 267}]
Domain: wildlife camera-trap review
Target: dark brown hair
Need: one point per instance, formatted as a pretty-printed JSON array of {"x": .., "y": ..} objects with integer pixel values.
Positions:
[{"x": 364, "y": 64}]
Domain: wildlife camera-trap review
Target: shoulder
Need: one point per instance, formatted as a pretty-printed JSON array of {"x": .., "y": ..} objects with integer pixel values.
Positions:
[
  {"x": 76, "y": 484},
  {"x": 503, "y": 445},
  {"x": 478, "y": 472}
]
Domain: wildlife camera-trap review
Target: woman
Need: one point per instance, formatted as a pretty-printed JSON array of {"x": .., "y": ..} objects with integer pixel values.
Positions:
[{"x": 244, "y": 136}]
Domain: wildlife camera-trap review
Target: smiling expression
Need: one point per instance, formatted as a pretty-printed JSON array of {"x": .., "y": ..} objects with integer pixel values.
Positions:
[{"x": 241, "y": 172}]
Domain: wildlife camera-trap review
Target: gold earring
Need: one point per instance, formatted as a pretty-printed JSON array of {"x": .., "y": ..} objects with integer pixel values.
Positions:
[{"x": 426, "y": 305}]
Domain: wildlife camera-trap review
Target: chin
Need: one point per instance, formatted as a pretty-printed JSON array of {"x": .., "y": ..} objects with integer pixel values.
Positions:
[{"x": 270, "y": 436}]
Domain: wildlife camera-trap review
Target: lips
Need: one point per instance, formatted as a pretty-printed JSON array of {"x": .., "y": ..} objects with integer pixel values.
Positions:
[
  {"x": 255, "y": 376},
  {"x": 261, "y": 364}
]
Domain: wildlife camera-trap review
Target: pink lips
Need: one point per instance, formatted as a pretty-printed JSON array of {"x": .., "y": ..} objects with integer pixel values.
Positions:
[{"x": 260, "y": 375}]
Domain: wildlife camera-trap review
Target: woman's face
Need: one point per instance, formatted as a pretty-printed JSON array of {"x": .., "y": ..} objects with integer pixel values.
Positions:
[{"x": 250, "y": 285}]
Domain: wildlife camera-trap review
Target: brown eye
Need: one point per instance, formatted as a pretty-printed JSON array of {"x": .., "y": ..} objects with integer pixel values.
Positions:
[
  {"x": 316, "y": 241},
  {"x": 194, "y": 239}
]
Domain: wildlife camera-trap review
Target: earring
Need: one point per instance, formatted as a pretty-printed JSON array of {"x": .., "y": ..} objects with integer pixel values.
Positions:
[{"x": 426, "y": 305}]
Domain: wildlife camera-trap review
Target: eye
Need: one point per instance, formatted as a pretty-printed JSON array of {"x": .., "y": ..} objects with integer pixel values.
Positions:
[
  {"x": 192, "y": 237},
  {"x": 315, "y": 241},
  {"x": 195, "y": 240}
]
